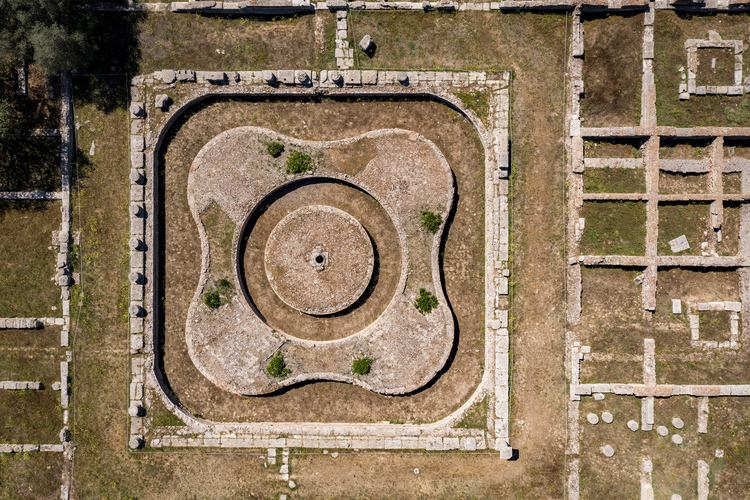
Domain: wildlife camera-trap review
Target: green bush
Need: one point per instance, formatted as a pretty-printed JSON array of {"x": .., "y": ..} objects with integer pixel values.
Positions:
[
  {"x": 426, "y": 302},
  {"x": 298, "y": 162},
  {"x": 361, "y": 366},
  {"x": 431, "y": 221},
  {"x": 275, "y": 149},
  {"x": 225, "y": 284},
  {"x": 212, "y": 299},
  {"x": 277, "y": 367}
]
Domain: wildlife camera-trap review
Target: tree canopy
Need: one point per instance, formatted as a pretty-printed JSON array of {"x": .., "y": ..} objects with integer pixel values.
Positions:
[{"x": 52, "y": 33}]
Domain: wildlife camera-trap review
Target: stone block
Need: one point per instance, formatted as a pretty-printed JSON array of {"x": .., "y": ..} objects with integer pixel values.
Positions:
[
  {"x": 137, "y": 143},
  {"x": 366, "y": 44},
  {"x": 136, "y": 159},
  {"x": 734, "y": 90},
  {"x": 136, "y": 342},
  {"x": 286, "y": 76},
  {"x": 676, "y": 306},
  {"x": 168, "y": 76},
  {"x": 733, "y": 306},
  {"x": 352, "y": 77},
  {"x": 369, "y": 77},
  {"x": 162, "y": 101},
  {"x": 185, "y": 75},
  {"x": 679, "y": 244},
  {"x": 215, "y": 77},
  {"x": 451, "y": 443},
  {"x": 137, "y": 109}
]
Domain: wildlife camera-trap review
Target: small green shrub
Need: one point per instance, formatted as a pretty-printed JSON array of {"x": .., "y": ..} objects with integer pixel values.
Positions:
[
  {"x": 426, "y": 302},
  {"x": 275, "y": 149},
  {"x": 225, "y": 284},
  {"x": 739, "y": 115},
  {"x": 431, "y": 221},
  {"x": 361, "y": 366},
  {"x": 277, "y": 367},
  {"x": 298, "y": 162},
  {"x": 212, "y": 299}
]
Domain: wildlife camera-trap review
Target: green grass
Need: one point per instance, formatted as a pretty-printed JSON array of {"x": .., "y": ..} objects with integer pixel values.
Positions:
[
  {"x": 298, "y": 162},
  {"x": 165, "y": 418},
  {"x": 361, "y": 366},
  {"x": 430, "y": 221},
  {"x": 614, "y": 228},
  {"x": 614, "y": 180},
  {"x": 678, "y": 219},
  {"x": 476, "y": 416},
  {"x": 275, "y": 149},
  {"x": 475, "y": 101},
  {"x": 277, "y": 366},
  {"x": 426, "y": 302}
]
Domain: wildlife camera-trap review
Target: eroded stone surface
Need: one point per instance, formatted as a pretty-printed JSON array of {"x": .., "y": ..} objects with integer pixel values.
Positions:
[{"x": 336, "y": 239}]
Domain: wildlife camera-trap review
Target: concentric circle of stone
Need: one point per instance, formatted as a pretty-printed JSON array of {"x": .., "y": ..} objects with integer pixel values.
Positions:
[
  {"x": 678, "y": 423},
  {"x": 607, "y": 417},
  {"x": 662, "y": 431},
  {"x": 677, "y": 439},
  {"x": 592, "y": 418},
  {"x": 632, "y": 425},
  {"x": 319, "y": 260},
  {"x": 608, "y": 450}
]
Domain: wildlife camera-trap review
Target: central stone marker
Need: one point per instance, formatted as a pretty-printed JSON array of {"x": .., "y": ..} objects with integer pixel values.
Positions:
[{"x": 319, "y": 260}]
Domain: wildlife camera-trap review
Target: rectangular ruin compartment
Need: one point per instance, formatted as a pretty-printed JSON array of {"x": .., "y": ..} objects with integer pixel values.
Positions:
[
  {"x": 693, "y": 220},
  {"x": 611, "y": 309},
  {"x": 732, "y": 183},
  {"x": 715, "y": 67},
  {"x": 614, "y": 228},
  {"x": 679, "y": 183},
  {"x": 612, "y": 72},
  {"x": 614, "y": 180},
  {"x": 730, "y": 231},
  {"x": 684, "y": 149},
  {"x": 613, "y": 148}
]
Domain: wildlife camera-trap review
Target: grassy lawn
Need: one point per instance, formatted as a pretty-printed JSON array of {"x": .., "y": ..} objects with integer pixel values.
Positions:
[
  {"x": 194, "y": 41},
  {"x": 614, "y": 180},
  {"x": 26, "y": 285},
  {"x": 30, "y": 476},
  {"x": 671, "y": 29},
  {"x": 612, "y": 71},
  {"x": 614, "y": 228},
  {"x": 676, "y": 219}
]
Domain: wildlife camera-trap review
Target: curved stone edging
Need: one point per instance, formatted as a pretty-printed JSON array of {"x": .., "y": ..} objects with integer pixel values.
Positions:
[{"x": 229, "y": 346}]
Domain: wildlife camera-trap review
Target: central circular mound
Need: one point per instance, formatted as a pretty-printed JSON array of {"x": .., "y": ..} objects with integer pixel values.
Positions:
[{"x": 319, "y": 260}]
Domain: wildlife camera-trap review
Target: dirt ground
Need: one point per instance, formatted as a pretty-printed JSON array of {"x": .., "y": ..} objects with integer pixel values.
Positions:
[
  {"x": 612, "y": 70},
  {"x": 105, "y": 469}
]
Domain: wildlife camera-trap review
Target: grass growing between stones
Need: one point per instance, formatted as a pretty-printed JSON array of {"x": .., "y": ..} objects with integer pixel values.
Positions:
[
  {"x": 220, "y": 231},
  {"x": 612, "y": 72},
  {"x": 730, "y": 231},
  {"x": 614, "y": 180},
  {"x": 671, "y": 29},
  {"x": 732, "y": 183},
  {"x": 28, "y": 266},
  {"x": 614, "y": 228},
  {"x": 475, "y": 101},
  {"x": 714, "y": 325},
  {"x": 476, "y": 416},
  {"x": 612, "y": 148},
  {"x": 676, "y": 219}
]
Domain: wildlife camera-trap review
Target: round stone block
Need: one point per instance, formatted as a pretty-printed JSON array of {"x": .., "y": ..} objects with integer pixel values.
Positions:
[
  {"x": 678, "y": 423},
  {"x": 136, "y": 310},
  {"x": 607, "y": 417},
  {"x": 608, "y": 451},
  {"x": 135, "y": 442},
  {"x": 137, "y": 110},
  {"x": 403, "y": 78},
  {"x": 662, "y": 431},
  {"x": 301, "y": 76},
  {"x": 269, "y": 77},
  {"x": 135, "y": 244},
  {"x": 335, "y": 77},
  {"x": 136, "y": 177},
  {"x": 136, "y": 209},
  {"x": 416, "y": 470},
  {"x": 135, "y": 410},
  {"x": 676, "y": 439},
  {"x": 135, "y": 277},
  {"x": 592, "y": 418},
  {"x": 632, "y": 425},
  {"x": 319, "y": 260}
]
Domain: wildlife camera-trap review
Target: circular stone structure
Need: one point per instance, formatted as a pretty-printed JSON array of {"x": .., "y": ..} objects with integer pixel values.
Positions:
[
  {"x": 319, "y": 260},
  {"x": 676, "y": 439},
  {"x": 608, "y": 450},
  {"x": 593, "y": 418},
  {"x": 632, "y": 425},
  {"x": 607, "y": 417},
  {"x": 678, "y": 423},
  {"x": 662, "y": 431}
]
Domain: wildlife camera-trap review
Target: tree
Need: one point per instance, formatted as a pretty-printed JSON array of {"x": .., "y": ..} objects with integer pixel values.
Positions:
[
  {"x": 7, "y": 121},
  {"x": 54, "y": 33}
]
